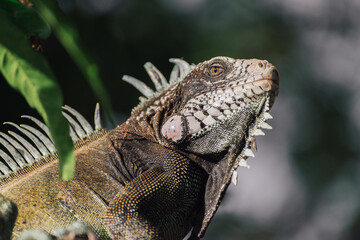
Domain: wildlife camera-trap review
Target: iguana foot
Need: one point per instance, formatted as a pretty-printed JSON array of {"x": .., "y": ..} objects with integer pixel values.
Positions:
[{"x": 74, "y": 231}]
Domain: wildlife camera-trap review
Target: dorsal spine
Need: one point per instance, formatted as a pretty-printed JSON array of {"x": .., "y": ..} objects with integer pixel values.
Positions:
[{"x": 32, "y": 148}]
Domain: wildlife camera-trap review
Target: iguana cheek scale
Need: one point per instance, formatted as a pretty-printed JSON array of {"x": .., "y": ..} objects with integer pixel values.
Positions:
[{"x": 158, "y": 175}]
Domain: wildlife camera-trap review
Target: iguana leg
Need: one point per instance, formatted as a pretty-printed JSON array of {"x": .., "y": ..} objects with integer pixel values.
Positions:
[
  {"x": 161, "y": 203},
  {"x": 74, "y": 231},
  {"x": 8, "y": 214}
]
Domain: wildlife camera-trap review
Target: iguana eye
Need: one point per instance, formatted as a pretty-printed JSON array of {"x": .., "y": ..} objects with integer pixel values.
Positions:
[{"x": 216, "y": 70}]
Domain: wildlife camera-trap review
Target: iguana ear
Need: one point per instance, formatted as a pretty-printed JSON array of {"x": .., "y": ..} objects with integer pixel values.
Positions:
[
  {"x": 175, "y": 129},
  {"x": 178, "y": 127}
]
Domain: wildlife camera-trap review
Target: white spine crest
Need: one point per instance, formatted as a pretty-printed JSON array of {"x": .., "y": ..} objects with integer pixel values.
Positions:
[
  {"x": 31, "y": 145},
  {"x": 178, "y": 73}
]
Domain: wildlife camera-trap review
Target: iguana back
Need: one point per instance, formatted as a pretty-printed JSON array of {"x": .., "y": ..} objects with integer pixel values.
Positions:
[{"x": 46, "y": 202}]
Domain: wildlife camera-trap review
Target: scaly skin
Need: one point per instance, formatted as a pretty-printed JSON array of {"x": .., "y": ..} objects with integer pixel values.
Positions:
[{"x": 166, "y": 169}]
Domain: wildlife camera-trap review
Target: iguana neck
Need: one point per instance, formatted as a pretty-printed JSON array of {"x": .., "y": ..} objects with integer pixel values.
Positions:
[{"x": 146, "y": 119}]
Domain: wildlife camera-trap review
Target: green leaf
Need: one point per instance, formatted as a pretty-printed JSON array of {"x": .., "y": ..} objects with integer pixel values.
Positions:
[
  {"x": 26, "y": 18},
  {"x": 28, "y": 72},
  {"x": 69, "y": 38}
]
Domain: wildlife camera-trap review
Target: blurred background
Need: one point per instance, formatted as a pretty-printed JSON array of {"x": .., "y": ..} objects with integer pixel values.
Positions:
[{"x": 304, "y": 181}]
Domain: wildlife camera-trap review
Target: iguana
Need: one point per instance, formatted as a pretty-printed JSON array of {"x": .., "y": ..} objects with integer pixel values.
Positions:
[{"x": 161, "y": 173}]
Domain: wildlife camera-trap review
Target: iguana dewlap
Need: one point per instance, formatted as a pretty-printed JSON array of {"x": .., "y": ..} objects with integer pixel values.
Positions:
[{"x": 161, "y": 173}]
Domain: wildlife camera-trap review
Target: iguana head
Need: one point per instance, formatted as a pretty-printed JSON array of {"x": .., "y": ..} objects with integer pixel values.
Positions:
[
  {"x": 214, "y": 112},
  {"x": 218, "y": 101}
]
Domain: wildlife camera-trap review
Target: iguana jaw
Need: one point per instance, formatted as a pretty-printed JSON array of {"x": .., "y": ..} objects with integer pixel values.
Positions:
[{"x": 229, "y": 113}]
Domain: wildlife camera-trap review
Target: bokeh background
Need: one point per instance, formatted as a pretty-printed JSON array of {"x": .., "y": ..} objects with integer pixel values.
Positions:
[{"x": 304, "y": 181}]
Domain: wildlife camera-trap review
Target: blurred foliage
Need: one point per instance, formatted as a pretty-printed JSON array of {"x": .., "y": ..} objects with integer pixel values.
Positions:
[
  {"x": 69, "y": 38},
  {"x": 26, "y": 18},
  {"x": 27, "y": 71}
]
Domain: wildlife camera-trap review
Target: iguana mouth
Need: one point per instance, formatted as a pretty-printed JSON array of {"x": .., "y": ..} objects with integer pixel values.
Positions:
[{"x": 274, "y": 81}]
